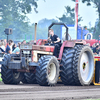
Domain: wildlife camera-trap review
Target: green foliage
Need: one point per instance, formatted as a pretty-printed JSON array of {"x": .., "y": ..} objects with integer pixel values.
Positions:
[
  {"x": 91, "y": 30},
  {"x": 97, "y": 5},
  {"x": 42, "y": 30},
  {"x": 69, "y": 16},
  {"x": 97, "y": 30},
  {"x": 13, "y": 15}
]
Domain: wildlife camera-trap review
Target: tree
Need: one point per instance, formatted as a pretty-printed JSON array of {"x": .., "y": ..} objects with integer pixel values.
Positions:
[
  {"x": 13, "y": 15},
  {"x": 97, "y": 5},
  {"x": 42, "y": 32},
  {"x": 69, "y": 16}
]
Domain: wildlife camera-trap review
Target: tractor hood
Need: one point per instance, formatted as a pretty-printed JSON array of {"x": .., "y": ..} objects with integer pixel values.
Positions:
[
  {"x": 43, "y": 48},
  {"x": 37, "y": 47}
]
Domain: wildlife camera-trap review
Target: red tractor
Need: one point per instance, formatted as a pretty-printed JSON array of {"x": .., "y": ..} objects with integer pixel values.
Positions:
[{"x": 37, "y": 64}]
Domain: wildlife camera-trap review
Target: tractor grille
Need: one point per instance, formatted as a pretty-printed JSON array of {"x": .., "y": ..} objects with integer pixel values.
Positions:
[{"x": 26, "y": 54}]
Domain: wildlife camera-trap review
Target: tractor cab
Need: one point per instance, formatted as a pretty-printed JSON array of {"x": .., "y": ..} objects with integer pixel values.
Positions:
[{"x": 61, "y": 36}]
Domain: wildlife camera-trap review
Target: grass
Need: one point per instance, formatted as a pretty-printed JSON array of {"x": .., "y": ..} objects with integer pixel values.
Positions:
[{"x": 0, "y": 77}]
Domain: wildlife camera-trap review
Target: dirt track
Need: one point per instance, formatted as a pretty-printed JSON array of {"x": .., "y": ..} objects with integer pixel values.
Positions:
[{"x": 58, "y": 92}]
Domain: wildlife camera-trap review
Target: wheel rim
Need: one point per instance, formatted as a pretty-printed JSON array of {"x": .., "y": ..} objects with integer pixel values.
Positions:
[
  {"x": 51, "y": 71},
  {"x": 16, "y": 75},
  {"x": 86, "y": 66}
]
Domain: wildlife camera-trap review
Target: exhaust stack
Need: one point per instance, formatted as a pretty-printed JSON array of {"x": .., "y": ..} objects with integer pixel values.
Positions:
[{"x": 35, "y": 33}]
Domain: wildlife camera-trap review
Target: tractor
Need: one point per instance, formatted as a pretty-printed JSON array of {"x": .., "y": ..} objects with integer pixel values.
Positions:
[{"x": 37, "y": 64}]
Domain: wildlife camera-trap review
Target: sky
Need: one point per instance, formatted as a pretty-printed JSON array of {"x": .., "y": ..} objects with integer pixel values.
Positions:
[{"x": 51, "y": 9}]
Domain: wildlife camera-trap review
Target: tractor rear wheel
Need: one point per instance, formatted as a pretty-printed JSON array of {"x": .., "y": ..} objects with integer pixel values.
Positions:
[
  {"x": 48, "y": 71},
  {"x": 9, "y": 76},
  {"x": 30, "y": 77},
  {"x": 67, "y": 68},
  {"x": 78, "y": 66},
  {"x": 23, "y": 80}
]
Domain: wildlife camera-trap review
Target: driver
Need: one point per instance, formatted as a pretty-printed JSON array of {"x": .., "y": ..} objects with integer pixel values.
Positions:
[
  {"x": 54, "y": 41},
  {"x": 54, "y": 38}
]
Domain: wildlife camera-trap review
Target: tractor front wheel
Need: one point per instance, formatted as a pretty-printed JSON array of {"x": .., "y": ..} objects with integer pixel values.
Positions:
[
  {"x": 10, "y": 76},
  {"x": 48, "y": 71}
]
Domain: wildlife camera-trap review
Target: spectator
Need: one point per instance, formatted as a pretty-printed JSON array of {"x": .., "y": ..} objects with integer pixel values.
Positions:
[
  {"x": 2, "y": 45},
  {"x": 93, "y": 46},
  {"x": 85, "y": 31},
  {"x": 8, "y": 50},
  {"x": 13, "y": 47},
  {"x": 96, "y": 50},
  {"x": 1, "y": 50},
  {"x": 17, "y": 49},
  {"x": 5, "y": 43}
]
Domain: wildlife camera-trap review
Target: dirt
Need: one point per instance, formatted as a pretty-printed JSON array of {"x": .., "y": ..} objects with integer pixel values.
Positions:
[{"x": 58, "y": 92}]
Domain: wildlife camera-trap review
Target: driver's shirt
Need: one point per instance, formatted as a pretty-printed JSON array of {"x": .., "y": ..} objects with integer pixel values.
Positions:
[{"x": 53, "y": 38}]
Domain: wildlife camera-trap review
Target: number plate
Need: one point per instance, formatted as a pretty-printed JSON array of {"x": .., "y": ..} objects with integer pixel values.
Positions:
[
  {"x": 26, "y": 46},
  {"x": 26, "y": 52}
]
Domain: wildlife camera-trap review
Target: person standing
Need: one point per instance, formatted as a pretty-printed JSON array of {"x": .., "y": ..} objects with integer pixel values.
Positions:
[
  {"x": 96, "y": 50},
  {"x": 2, "y": 45},
  {"x": 17, "y": 49},
  {"x": 85, "y": 31},
  {"x": 5, "y": 43},
  {"x": 13, "y": 47},
  {"x": 11, "y": 44},
  {"x": 8, "y": 50},
  {"x": 1, "y": 49}
]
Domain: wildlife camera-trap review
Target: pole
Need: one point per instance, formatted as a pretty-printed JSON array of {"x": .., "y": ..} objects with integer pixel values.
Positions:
[
  {"x": 76, "y": 17},
  {"x": 81, "y": 33},
  {"x": 7, "y": 39},
  {"x": 7, "y": 42}
]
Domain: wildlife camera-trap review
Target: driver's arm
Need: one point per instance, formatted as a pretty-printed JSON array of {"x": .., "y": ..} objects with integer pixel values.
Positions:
[
  {"x": 58, "y": 40},
  {"x": 49, "y": 40}
]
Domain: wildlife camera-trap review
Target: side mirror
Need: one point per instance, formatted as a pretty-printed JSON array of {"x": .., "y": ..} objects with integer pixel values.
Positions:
[{"x": 8, "y": 31}]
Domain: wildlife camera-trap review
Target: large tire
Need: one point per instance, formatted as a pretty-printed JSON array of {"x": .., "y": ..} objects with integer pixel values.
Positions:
[
  {"x": 48, "y": 71},
  {"x": 78, "y": 66},
  {"x": 30, "y": 77},
  {"x": 23, "y": 80},
  {"x": 9, "y": 76},
  {"x": 67, "y": 68}
]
